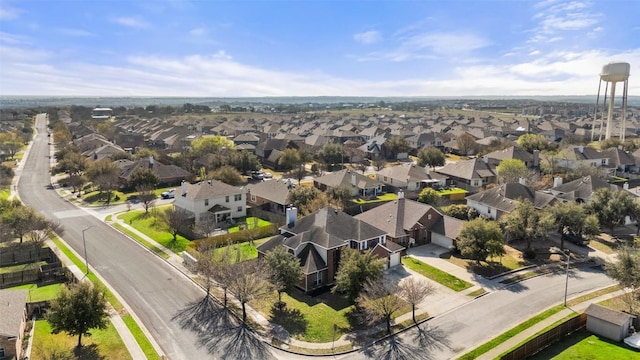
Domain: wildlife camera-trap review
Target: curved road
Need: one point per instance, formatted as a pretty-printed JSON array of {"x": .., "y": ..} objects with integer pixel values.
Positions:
[{"x": 155, "y": 291}]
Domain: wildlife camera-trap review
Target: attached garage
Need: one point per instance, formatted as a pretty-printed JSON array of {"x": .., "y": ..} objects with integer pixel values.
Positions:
[
  {"x": 394, "y": 259},
  {"x": 441, "y": 240}
]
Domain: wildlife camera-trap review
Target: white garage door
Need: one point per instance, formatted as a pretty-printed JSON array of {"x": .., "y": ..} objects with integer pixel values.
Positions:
[
  {"x": 441, "y": 240},
  {"x": 394, "y": 259}
]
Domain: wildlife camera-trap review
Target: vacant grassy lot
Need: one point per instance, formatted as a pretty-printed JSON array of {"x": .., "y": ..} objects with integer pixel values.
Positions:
[
  {"x": 436, "y": 275},
  {"x": 153, "y": 226},
  {"x": 309, "y": 318},
  {"x": 40, "y": 293},
  {"x": 102, "y": 344},
  {"x": 583, "y": 345}
]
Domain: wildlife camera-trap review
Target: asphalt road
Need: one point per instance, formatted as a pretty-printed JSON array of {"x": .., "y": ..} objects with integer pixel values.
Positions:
[{"x": 154, "y": 290}]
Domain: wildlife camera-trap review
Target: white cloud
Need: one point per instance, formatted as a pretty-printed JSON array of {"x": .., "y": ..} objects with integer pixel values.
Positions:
[
  {"x": 555, "y": 19},
  {"x": 368, "y": 37},
  {"x": 8, "y": 13},
  {"x": 74, "y": 32},
  {"x": 132, "y": 22},
  {"x": 446, "y": 43},
  {"x": 199, "y": 31}
]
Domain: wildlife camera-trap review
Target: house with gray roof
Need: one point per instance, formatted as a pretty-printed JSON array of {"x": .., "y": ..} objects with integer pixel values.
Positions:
[
  {"x": 360, "y": 185},
  {"x": 471, "y": 175},
  {"x": 580, "y": 190},
  {"x": 409, "y": 223},
  {"x": 318, "y": 239},
  {"x": 502, "y": 199},
  {"x": 168, "y": 174},
  {"x": 576, "y": 156},
  {"x": 212, "y": 200},
  {"x": 514, "y": 152},
  {"x": 410, "y": 177},
  {"x": 270, "y": 195},
  {"x": 13, "y": 318}
]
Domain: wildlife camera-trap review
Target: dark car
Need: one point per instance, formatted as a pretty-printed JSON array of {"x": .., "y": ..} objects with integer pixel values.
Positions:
[{"x": 576, "y": 239}]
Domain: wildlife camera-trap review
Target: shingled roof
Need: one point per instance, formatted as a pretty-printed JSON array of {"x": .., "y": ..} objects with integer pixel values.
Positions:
[
  {"x": 505, "y": 197},
  {"x": 209, "y": 189},
  {"x": 468, "y": 169},
  {"x": 395, "y": 217},
  {"x": 12, "y": 305}
]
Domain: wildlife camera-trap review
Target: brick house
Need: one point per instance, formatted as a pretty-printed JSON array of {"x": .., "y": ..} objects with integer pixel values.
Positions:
[{"x": 13, "y": 318}]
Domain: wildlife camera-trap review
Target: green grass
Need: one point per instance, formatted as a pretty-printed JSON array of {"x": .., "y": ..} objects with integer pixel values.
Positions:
[
  {"x": 581, "y": 345},
  {"x": 250, "y": 224},
  {"x": 40, "y": 293},
  {"x": 23, "y": 267},
  {"x": 477, "y": 292},
  {"x": 379, "y": 198},
  {"x": 247, "y": 251},
  {"x": 152, "y": 226},
  {"x": 144, "y": 242},
  {"x": 108, "y": 218},
  {"x": 98, "y": 198},
  {"x": 142, "y": 340},
  {"x": 605, "y": 246},
  {"x": 309, "y": 318},
  {"x": 4, "y": 194},
  {"x": 102, "y": 344},
  {"x": 452, "y": 191},
  {"x": 436, "y": 275}
]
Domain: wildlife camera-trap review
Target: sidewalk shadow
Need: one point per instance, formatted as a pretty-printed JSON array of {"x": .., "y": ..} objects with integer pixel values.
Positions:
[
  {"x": 420, "y": 346},
  {"x": 220, "y": 331}
]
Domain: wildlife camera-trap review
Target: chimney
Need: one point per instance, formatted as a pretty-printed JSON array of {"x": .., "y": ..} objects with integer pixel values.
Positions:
[
  {"x": 353, "y": 179},
  {"x": 536, "y": 158},
  {"x": 485, "y": 159},
  {"x": 183, "y": 187},
  {"x": 291, "y": 215},
  {"x": 400, "y": 195},
  {"x": 557, "y": 181},
  {"x": 625, "y": 186},
  {"x": 522, "y": 181},
  {"x": 581, "y": 149},
  {"x": 150, "y": 162},
  {"x": 426, "y": 169}
]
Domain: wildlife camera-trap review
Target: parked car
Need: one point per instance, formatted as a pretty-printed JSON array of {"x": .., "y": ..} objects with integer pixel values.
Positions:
[
  {"x": 257, "y": 175},
  {"x": 576, "y": 239},
  {"x": 169, "y": 194},
  {"x": 267, "y": 175}
]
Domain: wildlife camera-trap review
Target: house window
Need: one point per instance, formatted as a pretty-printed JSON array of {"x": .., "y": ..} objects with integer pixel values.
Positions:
[
  {"x": 237, "y": 197},
  {"x": 253, "y": 198},
  {"x": 318, "y": 279},
  {"x": 385, "y": 179},
  {"x": 1, "y": 352},
  {"x": 239, "y": 208},
  {"x": 489, "y": 211},
  {"x": 353, "y": 245},
  {"x": 429, "y": 217},
  {"x": 206, "y": 202},
  {"x": 604, "y": 161},
  {"x": 226, "y": 198}
]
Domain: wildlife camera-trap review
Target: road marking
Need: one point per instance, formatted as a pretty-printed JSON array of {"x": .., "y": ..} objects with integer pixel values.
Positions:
[{"x": 70, "y": 214}]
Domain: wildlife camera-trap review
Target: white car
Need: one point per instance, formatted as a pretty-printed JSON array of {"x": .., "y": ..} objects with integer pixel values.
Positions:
[{"x": 169, "y": 194}]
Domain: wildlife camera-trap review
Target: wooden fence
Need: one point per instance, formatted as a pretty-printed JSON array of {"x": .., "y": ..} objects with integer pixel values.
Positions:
[
  {"x": 547, "y": 338},
  {"x": 26, "y": 254}
]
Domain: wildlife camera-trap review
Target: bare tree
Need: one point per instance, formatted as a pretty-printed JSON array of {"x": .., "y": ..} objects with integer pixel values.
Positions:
[
  {"x": 224, "y": 271},
  {"x": 379, "y": 302},
  {"x": 207, "y": 224},
  {"x": 175, "y": 220},
  {"x": 249, "y": 282},
  {"x": 415, "y": 291},
  {"x": 147, "y": 196},
  {"x": 466, "y": 144},
  {"x": 42, "y": 229}
]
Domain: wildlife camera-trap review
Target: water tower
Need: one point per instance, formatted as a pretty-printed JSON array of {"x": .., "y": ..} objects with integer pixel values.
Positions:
[{"x": 613, "y": 73}]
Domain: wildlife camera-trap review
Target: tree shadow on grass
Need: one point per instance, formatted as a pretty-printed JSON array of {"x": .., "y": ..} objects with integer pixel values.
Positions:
[
  {"x": 419, "y": 347},
  {"x": 220, "y": 331},
  {"x": 88, "y": 352},
  {"x": 291, "y": 319}
]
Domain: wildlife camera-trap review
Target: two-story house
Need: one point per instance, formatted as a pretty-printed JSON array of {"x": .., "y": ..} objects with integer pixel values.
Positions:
[
  {"x": 13, "y": 318},
  {"x": 408, "y": 176},
  {"x": 360, "y": 185},
  {"x": 471, "y": 175},
  {"x": 576, "y": 156},
  {"x": 212, "y": 200},
  {"x": 318, "y": 239},
  {"x": 502, "y": 199}
]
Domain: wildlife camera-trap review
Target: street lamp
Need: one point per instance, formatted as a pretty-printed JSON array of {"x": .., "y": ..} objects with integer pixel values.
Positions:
[
  {"x": 84, "y": 244},
  {"x": 567, "y": 256}
]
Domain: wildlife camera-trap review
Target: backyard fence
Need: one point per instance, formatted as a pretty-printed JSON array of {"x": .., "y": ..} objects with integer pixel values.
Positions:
[
  {"x": 25, "y": 254},
  {"x": 547, "y": 338}
]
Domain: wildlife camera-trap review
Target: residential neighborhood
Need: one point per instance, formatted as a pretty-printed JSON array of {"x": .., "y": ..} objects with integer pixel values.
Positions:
[{"x": 326, "y": 213}]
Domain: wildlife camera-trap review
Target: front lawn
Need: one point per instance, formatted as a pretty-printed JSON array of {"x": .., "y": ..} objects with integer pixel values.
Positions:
[
  {"x": 436, "y": 275},
  {"x": 40, "y": 293},
  {"x": 247, "y": 251},
  {"x": 102, "y": 344},
  {"x": 583, "y": 345},
  {"x": 379, "y": 198},
  {"x": 493, "y": 266},
  {"x": 309, "y": 318},
  {"x": 152, "y": 225}
]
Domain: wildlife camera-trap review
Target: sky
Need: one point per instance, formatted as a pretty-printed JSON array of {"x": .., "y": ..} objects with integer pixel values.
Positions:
[{"x": 242, "y": 48}]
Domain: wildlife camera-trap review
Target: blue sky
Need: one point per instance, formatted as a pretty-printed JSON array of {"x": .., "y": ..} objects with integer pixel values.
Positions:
[{"x": 314, "y": 48}]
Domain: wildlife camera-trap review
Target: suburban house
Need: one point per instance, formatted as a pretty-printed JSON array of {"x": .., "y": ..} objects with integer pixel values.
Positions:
[
  {"x": 471, "y": 175},
  {"x": 502, "y": 199},
  {"x": 360, "y": 185},
  {"x": 168, "y": 174},
  {"x": 514, "y": 152},
  {"x": 576, "y": 156},
  {"x": 411, "y": 223},
  {"x": 608, "y": 323},
  {"x": 104, "y": 151},
  {"x": 317, "y": 240},
  {"x": 580, "y": 190},
  {"x": 375, "y": 148},
  {"x": 408, "y": 176},
  {"x": 270, "y": 195},
  {"x": 212, "y": 200},
  {"x": 621, "y": 160},
  {"x": 13, "y": 318}
]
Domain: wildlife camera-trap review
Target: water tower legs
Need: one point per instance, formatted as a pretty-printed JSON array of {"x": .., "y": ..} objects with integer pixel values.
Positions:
[{"x": 607, "y": 134}]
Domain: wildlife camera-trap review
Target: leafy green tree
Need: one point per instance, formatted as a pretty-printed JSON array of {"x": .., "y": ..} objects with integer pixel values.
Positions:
[
  {"x": 626, "y": 270},
  {"x": 379, "y": 302},
  {"x": 285, "y": 270},
  {"x": 511, "y": 170},
  {"x": 77, "y": 310},
  {"x": 355, "y": 270},
  {"x": 396, "y": 145},
  {"x": 459, "y": 211},
  {"x": 244, "y": 161},
  {"x": 302, "y": 195},
  {"x": 611, "y": 208},
  {"x": 431, "y": 157},
  {"x": 143, "y": 153},
  {"x": 289, "y": 158},
  {"x": 527, "y": 223},
  {"x": 106, "y": 175},
  {"x": 571, "y": 216},
  {"x": 331, "y": 154},
  {"x": 210, "y": 145},
  {"x": 479, "y": 239},
  {"x": 73, "y": 163},
  {"x": 20, "y": 220},
  {"x": 121, "y": 155},
  {"x": 429, "y": 196},
  {"x": 11, "y": 142},
  {"x": 532, "y": 142},
  {"x": 339, "y": 196},
  {"x": 143, "y": 178},
  {"x": 228, "y": 175}
]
